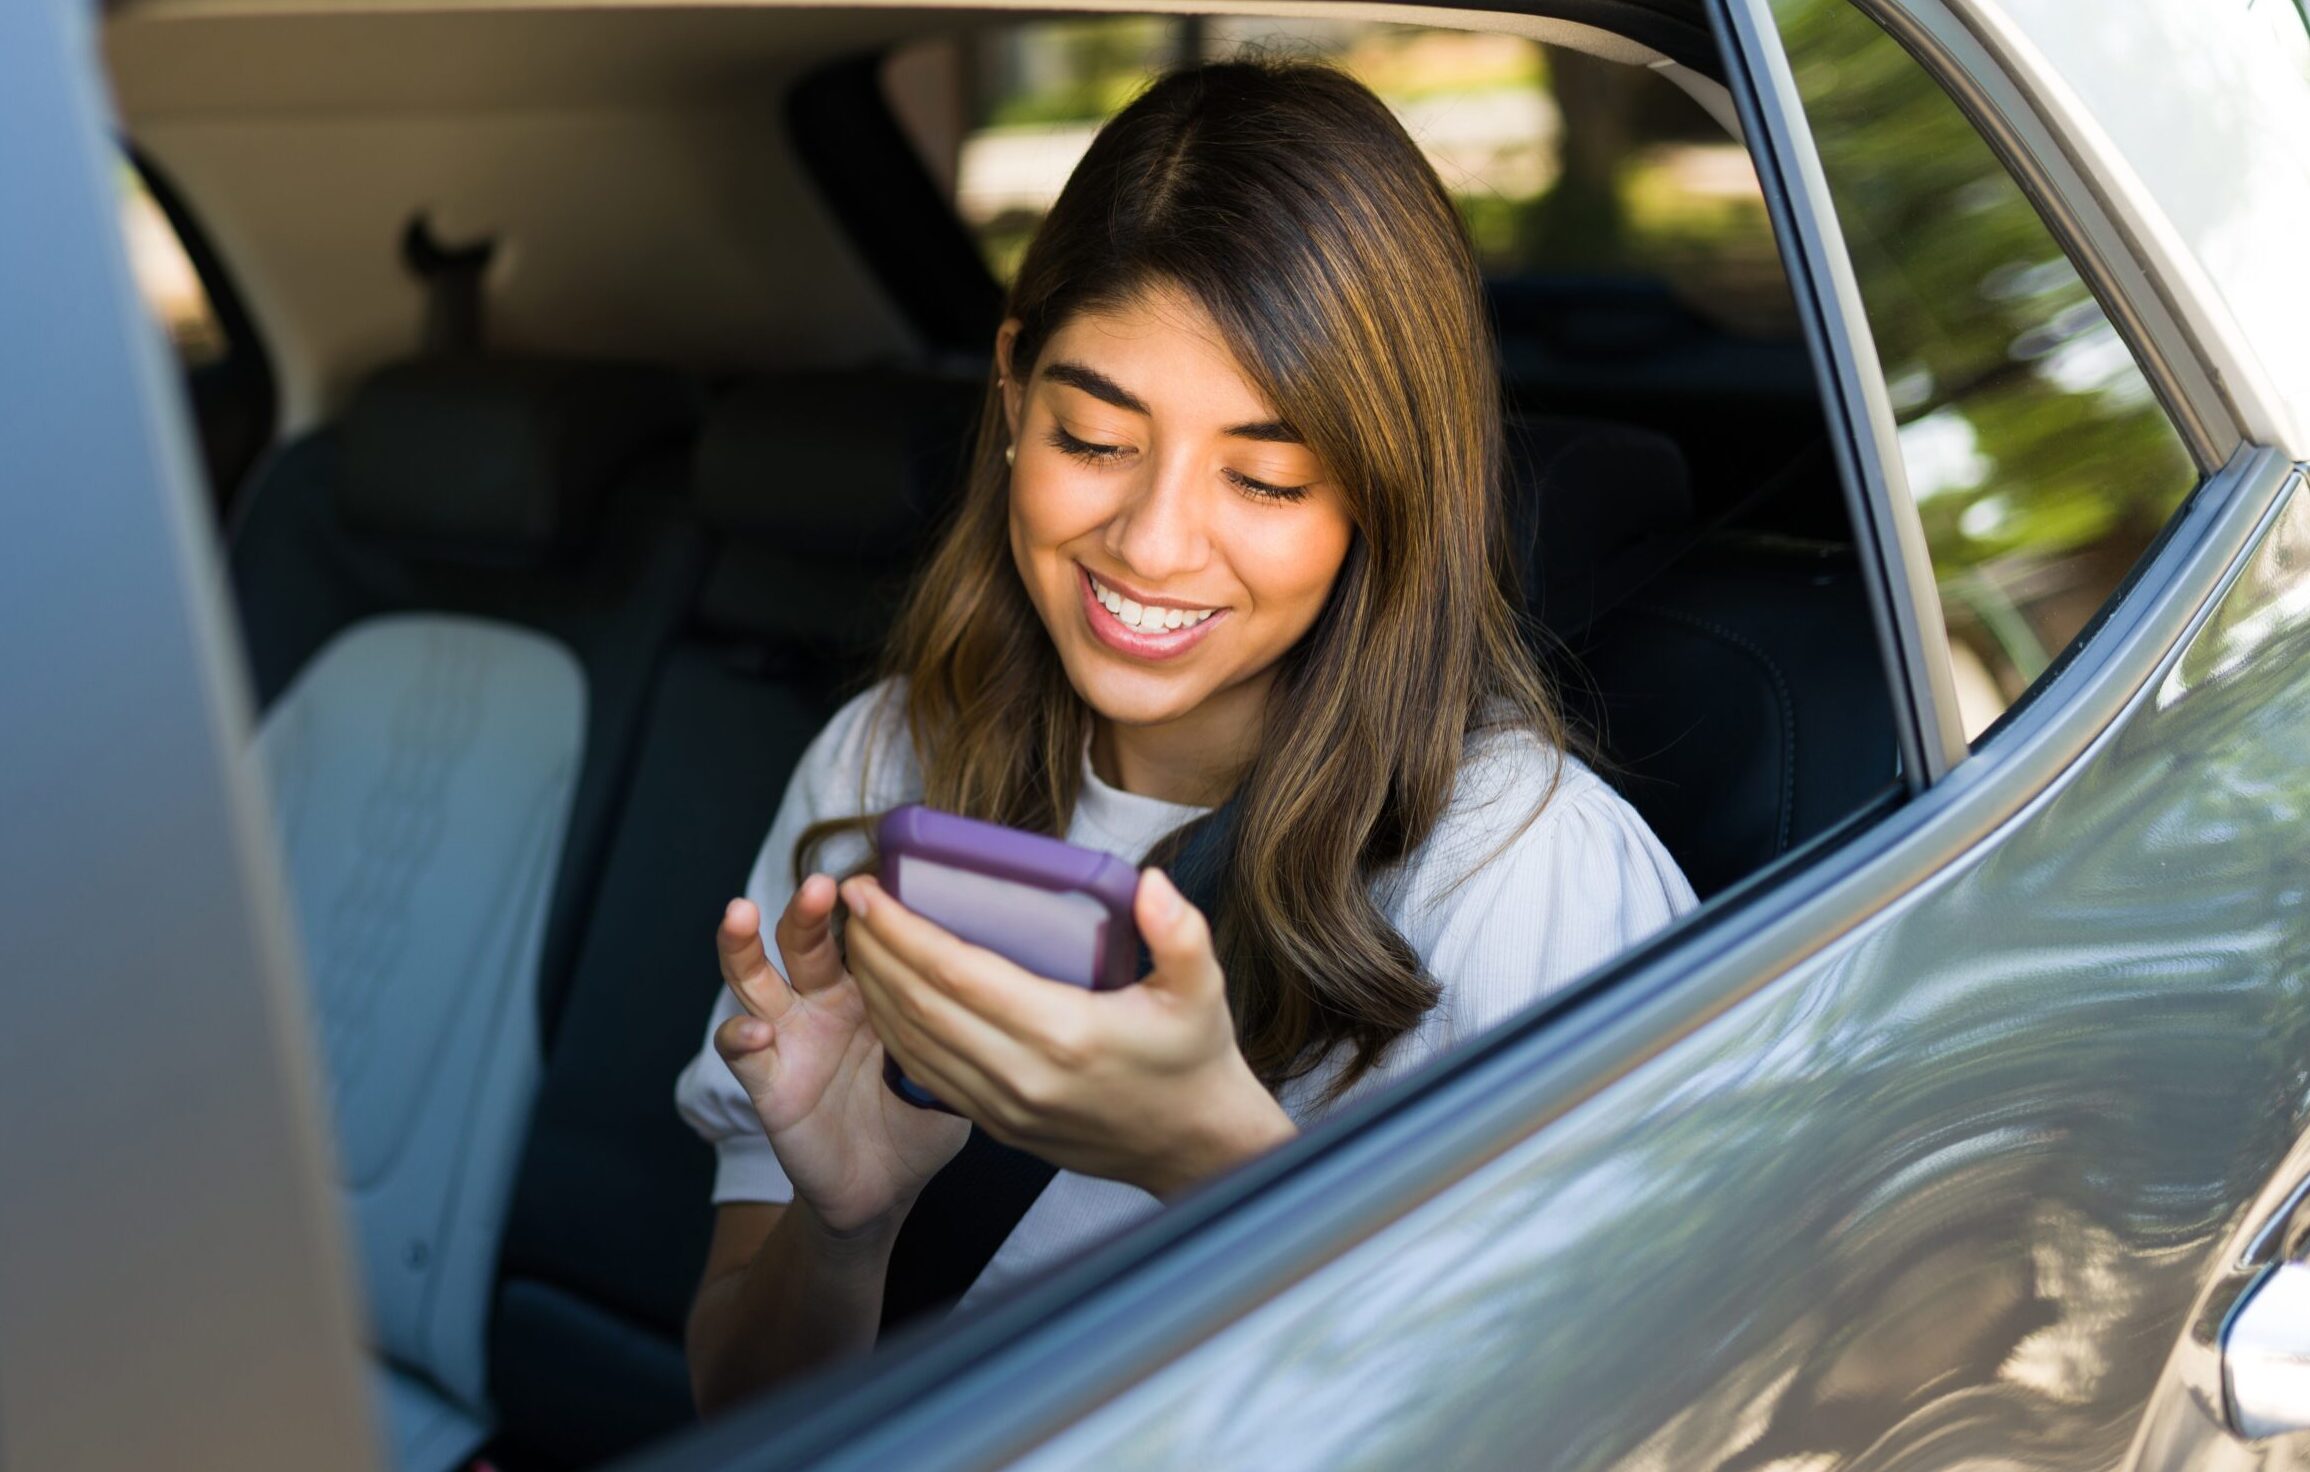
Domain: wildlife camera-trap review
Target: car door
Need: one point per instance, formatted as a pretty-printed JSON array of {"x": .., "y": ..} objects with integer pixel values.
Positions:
[
  {"x": 1935, "y": 1148},
  {"x": 173, "y": 1288}
]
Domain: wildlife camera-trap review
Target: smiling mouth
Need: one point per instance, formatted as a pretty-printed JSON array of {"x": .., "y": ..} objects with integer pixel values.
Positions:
[
  {"x": 1145, "y": 618},
  {"x": 1145, "y": 631}
]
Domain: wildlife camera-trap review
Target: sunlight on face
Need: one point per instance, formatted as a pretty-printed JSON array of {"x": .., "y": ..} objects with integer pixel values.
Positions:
[{"x": 1175, "y": 537}]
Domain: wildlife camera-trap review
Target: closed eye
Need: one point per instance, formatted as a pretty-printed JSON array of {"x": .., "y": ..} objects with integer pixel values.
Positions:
[
  {"x": 1093, "y": 452},
  {"x": 1265, "y": 491},
  {"x": 1088, "y": 451}
]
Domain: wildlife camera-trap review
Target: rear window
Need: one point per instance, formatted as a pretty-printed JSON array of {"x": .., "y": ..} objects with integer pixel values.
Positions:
[{"x": 1561, "y": 164}]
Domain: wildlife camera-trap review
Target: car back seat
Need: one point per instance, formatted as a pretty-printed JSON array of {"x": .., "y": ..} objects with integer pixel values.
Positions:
[
  {"x": 820, "y": 490},
  {"x": 452, "y": 598},
  {"x": 1597, "y": 505},
  {"x": 1731, "y": 676}
]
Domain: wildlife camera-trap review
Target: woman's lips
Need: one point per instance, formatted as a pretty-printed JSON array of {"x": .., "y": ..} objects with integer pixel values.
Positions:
[{"x": 1138, "y": 643}]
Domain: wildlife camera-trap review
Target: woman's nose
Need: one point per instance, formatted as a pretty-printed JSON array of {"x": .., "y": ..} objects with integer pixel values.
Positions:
[{"x": 1160, "y": 531}]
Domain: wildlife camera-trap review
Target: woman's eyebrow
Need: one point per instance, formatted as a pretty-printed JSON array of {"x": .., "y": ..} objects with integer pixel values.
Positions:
[
  {"x": 1099, "y": 386},
  {"x": 1273, "y": 431}
]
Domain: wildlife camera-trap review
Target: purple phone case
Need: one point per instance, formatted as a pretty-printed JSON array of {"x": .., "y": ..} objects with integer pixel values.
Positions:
[{"x": 1057, "y": 910}]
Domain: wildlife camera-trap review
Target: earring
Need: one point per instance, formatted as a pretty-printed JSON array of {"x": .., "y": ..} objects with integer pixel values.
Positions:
[{"x": 1010, "y": 454}]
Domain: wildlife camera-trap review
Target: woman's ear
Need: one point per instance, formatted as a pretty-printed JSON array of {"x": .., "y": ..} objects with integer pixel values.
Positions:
[{"x": 1014, "y": 392}]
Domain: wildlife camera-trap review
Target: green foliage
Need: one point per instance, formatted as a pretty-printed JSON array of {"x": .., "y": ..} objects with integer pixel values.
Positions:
[{"x": 1098, "y": 64}]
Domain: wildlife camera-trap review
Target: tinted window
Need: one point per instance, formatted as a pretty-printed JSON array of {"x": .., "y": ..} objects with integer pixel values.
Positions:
[
  {"x": 2040, "y": 462},
  {"x": 1560, "y": 163}
]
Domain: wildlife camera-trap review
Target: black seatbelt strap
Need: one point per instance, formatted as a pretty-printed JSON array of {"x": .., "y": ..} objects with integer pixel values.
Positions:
[{"x": 970, "y": 1207}]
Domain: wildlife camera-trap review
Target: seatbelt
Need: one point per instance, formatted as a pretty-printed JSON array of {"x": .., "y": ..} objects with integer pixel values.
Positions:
[{"x": 969, "y": 1208}]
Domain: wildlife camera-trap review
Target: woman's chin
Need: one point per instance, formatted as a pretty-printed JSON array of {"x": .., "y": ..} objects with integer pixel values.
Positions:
[{"x": 1132, "y": 697}]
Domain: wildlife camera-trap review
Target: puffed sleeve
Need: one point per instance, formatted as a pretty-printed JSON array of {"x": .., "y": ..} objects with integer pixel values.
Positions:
[
  {"x": 826, "y": 783},
  {"x": 1507, "y": 912}
]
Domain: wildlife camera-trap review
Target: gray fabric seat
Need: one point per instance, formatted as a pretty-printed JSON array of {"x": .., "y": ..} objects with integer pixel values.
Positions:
[
  {"x": 1730, "y": 676},
  {"x": 547, "y": 496},
  {"x": 454, "y": 664},
  {"x": 421, "y": 769},
  {"x": 820, "y": 491}
]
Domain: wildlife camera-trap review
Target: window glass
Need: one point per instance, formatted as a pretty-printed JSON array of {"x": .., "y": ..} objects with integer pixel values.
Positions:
[
  {"x": 2041, "y": 464},
  {"x": 1561, "y": 164},
  {"x": 165, "y": 276}
]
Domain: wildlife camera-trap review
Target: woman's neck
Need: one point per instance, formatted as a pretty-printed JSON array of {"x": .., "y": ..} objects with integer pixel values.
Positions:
[{"x": 1194, "y": 759}]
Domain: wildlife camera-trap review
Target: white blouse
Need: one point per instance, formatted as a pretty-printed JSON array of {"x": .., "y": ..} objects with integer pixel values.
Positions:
[{"x": 1502, "y": 919}]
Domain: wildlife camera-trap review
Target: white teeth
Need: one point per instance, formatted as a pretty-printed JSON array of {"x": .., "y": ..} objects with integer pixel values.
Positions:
[{"x": 1147, "y": 618}]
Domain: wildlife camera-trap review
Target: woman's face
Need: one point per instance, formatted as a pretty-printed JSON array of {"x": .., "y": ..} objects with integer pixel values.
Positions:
[{"x": 1175, "y": 536}]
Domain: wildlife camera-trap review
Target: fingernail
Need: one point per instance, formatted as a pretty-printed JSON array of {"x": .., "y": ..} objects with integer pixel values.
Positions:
[
  {"x": 854, "y": 894},
  {"x": 753, "y": 1034}
]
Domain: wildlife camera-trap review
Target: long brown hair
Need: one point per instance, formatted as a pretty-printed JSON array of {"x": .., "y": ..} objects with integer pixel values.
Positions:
[{"x": 1288, "y": 202}]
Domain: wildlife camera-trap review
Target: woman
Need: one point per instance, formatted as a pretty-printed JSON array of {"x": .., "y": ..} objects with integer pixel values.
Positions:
[{"x": 1233, "y": 535}]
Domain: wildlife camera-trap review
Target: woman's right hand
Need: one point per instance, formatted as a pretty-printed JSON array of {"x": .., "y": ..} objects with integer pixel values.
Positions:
[{"x": 857, "y": 1154}]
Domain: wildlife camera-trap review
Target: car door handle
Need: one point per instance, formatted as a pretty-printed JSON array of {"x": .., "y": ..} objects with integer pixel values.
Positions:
[
  {"x": 2264, "y": 1334},
  {"x": 2266, "y": 1355}
]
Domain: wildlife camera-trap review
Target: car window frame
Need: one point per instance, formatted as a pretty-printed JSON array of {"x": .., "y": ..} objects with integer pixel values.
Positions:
[
  {"x": 1983, "y": 73},
  {"x": 2014, "y": 111}
]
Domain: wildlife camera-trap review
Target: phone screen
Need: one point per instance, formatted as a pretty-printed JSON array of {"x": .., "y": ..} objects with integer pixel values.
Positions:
[{"x": 1053, "y": 933}]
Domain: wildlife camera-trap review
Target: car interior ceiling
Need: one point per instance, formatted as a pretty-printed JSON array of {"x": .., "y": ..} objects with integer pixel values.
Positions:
[{"x": 707, "y": 556}]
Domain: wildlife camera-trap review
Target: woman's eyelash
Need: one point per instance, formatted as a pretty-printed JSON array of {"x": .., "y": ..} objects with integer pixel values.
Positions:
[
  {"x": 1083, "y": 450},
  {"x": 1263, "y": 490},
  {"x": 1093, "y": 453}
]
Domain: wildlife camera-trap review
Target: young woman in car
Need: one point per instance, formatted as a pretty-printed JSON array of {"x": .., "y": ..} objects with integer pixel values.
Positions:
[{"x": 1234, "y": 534}]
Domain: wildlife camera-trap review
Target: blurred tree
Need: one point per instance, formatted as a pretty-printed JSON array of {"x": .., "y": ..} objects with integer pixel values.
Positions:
[{"x": 1581, "y": 218}]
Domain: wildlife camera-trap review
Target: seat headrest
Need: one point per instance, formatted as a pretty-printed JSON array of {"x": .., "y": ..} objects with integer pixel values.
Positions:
[
  {"x": 846, "y": 465},
  {"x": 1744, "y": 697},
  {"x": 498, "y": 460},
  {"x": 1590, "y": 498}
]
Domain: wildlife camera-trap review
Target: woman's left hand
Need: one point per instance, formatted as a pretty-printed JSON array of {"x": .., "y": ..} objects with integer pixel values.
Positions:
[{"x": 1144, "y": 1085}]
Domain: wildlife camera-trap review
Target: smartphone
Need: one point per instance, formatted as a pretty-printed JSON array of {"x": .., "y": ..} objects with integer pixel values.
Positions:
[{"x": 1056, "y": 910}]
